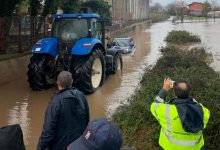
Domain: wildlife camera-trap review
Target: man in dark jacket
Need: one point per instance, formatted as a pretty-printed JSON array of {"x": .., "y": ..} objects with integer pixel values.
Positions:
[
  {"x": 182, "y": 119},
  {"x": 67, "y": 116}
]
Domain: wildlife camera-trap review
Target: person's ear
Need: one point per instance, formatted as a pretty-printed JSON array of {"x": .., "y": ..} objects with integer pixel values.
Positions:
[
  {"x": 174, "y": 94},
  {"x": 58, "y": 83}
]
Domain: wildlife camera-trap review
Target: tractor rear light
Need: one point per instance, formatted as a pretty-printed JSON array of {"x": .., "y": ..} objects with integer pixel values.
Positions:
[{"x": 87, "y": 44}]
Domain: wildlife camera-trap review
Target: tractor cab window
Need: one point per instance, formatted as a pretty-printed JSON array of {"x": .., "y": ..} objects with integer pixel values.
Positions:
[
  {"x": 96, "y": 29},
  {"x": 70, "y": 29}
]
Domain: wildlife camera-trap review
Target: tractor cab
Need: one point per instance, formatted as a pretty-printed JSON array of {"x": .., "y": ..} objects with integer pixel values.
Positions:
[{"x": 69, "y": 28}]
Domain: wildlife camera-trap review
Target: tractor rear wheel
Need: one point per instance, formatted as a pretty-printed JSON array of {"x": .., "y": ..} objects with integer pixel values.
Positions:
[
  {"x": 40, "y": 73},
  {"x": 117, "y": 64},
  {"x": 89, "y": 72}
]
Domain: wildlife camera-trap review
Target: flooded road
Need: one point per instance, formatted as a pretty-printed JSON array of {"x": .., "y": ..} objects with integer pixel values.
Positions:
[
  {"x": 210, "y": 36},
  {"x": 19, "y": 104}
]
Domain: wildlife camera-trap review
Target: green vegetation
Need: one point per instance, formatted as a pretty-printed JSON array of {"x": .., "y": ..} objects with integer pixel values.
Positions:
[
  {"x": 192, "y": 18},
  {"x": 7, "y": 7},
  {"x": 181, "y": 37},
  {"x": 158, "y": 17},
  {"x": 171, "y": 9},
  {"x": 100, "y": 7},
  {"x": 70, "y": 6},
  {"x": 138, "y": 126},
  {"x": 206, "y": 8},
  {"x": 157, "y": 13}
]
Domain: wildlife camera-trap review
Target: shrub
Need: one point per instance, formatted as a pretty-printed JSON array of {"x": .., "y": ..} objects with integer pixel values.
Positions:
[
  {"x": 181, "y": 37},
  {"x": 139, "y": 127}
]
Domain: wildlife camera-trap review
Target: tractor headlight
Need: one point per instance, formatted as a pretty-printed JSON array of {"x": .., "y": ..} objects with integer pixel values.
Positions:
[{"x": 126, "y": 50}]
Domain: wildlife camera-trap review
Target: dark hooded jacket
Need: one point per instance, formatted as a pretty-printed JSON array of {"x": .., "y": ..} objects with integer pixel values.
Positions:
[
  {"x": 190, "y": 113},
  {"x": 66, "y": 118}
]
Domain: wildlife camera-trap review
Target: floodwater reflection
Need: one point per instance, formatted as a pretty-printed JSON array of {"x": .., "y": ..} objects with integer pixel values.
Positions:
[{"x": 19, "y": 114}]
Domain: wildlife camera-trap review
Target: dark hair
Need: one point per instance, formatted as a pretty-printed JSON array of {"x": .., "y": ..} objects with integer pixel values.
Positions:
[
  {"x": 65, "y": 79},
  {"x": 180, "y": 92}
]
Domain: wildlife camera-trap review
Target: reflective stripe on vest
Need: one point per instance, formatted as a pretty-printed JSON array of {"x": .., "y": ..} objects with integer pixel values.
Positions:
[
  {"x": 155, "y": 109},
  {"x": 169, "y": 135},
  {"x": 159, "y": 99}
]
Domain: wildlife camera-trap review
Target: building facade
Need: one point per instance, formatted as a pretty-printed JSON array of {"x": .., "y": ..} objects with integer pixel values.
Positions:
[
  {"x": 125, "y": 10},
  {"x": 214, "y": 14},
  {"x": 195, "y": 9}
]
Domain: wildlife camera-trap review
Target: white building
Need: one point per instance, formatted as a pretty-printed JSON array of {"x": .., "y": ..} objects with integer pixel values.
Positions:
[
  {"x": 124, "y": 10},
  {"x": 214, "y": 14}
]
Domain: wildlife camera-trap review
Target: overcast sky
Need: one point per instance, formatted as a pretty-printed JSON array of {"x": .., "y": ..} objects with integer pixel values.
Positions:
[{"x": 165, "y": 2}]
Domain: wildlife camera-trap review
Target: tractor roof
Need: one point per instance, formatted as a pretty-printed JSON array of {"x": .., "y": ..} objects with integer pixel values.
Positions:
[{"x": 59, "y": 16}]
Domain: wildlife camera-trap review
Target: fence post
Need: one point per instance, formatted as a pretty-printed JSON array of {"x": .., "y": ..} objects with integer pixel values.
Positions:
[
  {"x": 32, "y": 29},
  {"x": 19, "y": 34},
  {"x": 34, "y": 34},
  {"x": 44, "y": 27},
  {"x": 2, "y": 36}
]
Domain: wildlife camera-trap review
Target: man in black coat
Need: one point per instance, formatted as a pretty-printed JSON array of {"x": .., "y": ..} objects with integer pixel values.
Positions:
[{"x": 67, "y": 116}]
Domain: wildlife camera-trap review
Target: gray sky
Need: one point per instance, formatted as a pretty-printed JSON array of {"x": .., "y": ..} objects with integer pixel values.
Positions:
[{"x": 165, "y": 2}]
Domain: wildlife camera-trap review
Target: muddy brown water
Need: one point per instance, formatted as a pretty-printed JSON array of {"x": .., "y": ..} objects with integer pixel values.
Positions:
[{"x": 19, "y": 104}]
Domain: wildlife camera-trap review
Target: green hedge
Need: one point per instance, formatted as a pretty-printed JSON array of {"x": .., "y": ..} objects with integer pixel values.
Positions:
[
  {"x": 181, "y": 37},
  {"x": 139, "y": 127}
]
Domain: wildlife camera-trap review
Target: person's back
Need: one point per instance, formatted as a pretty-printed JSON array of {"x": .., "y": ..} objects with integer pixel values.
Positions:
[
  {"x": 182, "y": 119},
  {"x": 66, "y": 118},
  {"x": 73, "y": 117}
]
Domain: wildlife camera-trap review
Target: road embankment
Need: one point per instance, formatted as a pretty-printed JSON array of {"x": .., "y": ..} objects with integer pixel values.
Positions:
[{"x": 138, "y": 126}]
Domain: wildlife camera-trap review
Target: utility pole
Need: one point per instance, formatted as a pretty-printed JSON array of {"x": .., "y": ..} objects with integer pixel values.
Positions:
[
  {"x": 180, "y": 7},
  {"x": 214, "y": 13},
  {"x": 206, "y": 10},
  {"x": 113, "y": 11},
  {"x": 213, "y": 6},
  {"x": 182, "y": 11}
]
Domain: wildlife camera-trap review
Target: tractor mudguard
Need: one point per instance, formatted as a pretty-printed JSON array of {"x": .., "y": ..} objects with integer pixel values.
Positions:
[
  {"x": 112, "y": 52},
  {"x": 84, "y": 46},
  {"x": 46, "y": 46}
]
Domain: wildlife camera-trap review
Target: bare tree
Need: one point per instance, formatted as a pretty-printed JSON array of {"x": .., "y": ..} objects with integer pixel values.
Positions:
[{"x": 157, "y": 7}]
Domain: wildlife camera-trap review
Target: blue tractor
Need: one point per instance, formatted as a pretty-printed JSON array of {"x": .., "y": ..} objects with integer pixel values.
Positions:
[{"x": 77, "y": 44}]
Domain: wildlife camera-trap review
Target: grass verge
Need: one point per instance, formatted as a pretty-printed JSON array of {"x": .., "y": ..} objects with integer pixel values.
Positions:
[{"x": 138, "y": 126}]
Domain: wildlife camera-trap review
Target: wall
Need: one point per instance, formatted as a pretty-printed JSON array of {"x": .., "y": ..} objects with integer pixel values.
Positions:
[{"x": 124, "y": 10}]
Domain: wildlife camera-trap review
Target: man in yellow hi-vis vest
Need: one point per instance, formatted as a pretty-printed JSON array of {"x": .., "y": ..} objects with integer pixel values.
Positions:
[{"x": 182, "y": 119}]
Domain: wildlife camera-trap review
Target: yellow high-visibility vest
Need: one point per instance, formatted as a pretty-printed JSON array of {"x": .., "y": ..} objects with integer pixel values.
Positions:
[{"x": 172, "y": 134}]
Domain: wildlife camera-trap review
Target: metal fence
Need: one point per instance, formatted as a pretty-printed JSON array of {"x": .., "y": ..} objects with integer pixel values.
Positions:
[{"x": 19, "y": 33}]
